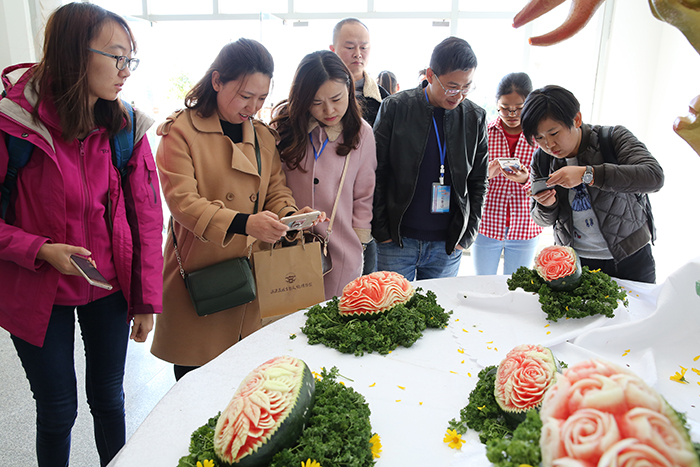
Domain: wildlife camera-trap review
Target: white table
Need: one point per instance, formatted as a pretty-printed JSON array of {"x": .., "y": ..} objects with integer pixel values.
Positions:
[{"x": 436, "y": 375}]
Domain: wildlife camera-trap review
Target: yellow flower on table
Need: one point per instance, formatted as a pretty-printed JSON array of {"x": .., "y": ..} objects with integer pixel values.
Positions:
[
  {"x": 376, "y": 446},
  {"x": 206, "y": 463},
  {"x": 680, "y": 377},
  {"x": 454, "y": 439},
  {"x": 310, "y": 463}
]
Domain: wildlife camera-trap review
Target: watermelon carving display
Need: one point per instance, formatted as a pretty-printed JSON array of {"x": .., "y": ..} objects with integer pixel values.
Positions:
[
  {"x": 560, "y": 267},
  {"x": 523, "y": 377},
  {"x": 373, "y": 294},
  {"x": 267, "y": 413}
]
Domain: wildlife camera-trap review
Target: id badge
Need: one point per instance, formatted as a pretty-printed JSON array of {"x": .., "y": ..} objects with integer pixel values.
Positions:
[{"x": 441, "y": 199}]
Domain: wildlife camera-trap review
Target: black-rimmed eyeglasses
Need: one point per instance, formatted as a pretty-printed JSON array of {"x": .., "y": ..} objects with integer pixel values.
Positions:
[
  {"x": 122, "y": 61},
  {"x": 506, "y": 112}
]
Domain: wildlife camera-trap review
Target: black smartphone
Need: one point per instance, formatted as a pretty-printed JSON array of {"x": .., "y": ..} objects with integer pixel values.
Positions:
[
  {"x": 539, "y": 185},
  {"x": 89, "y": 272}
]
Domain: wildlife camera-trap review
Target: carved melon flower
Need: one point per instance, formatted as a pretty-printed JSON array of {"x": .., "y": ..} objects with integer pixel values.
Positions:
[
  {"x": 310, "y": 463},
  {"x": 454, "y": 439},
  {"x": 376, "y": 446}
]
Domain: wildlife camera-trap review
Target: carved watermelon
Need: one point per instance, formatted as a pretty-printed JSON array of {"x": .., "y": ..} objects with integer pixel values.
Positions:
[
  {"x": 373, "y": 294},
  {"x": 267, "y": 413},
  {"x": 560, "y": 267},
  {"x": 523, "y": 377}
]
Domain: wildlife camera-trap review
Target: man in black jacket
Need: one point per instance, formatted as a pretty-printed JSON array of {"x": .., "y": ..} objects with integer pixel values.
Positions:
[{"x": 431, "y": 169}]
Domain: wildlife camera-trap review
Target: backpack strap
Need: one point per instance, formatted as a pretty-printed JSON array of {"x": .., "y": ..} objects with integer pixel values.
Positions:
[
  {"x": 122, "y": 145},
  {"x": 606, "y": 145},
  {"x": 19, "y": 151}
]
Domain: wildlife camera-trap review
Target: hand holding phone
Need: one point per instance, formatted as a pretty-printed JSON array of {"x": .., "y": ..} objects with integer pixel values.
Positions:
[
  {"x": 509, "y": 164},
  {"x": 300, "y": 221},
  {"x": 539, "y": 185},
  {"x": 89, "y": 272}
]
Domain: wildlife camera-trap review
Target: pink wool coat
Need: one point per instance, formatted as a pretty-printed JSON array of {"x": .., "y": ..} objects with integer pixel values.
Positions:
[{"x": 354, "y": 213}]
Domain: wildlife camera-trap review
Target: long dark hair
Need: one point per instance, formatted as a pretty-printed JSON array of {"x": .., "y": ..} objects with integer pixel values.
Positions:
[
  {"x": 235, "y": 60},
  {"x": 388, "y": 81},
  {"x": 292, "y": 116},
  {"x": 62, "y": 74}
]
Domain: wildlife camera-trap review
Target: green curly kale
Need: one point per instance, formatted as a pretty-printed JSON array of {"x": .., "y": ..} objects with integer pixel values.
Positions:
[
  {"x": 338, "y": 431},
  {"x": 597, "y": 294},
  {"x": 402, "y": 325},
  {"x": 522, "y": 448},
  {"x": 201, "y": 445},
  {"x": 483, "y": 414}
]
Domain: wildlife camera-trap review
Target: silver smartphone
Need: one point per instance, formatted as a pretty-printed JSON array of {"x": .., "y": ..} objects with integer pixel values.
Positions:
[
  {"x": 300, "y": 221},
  {"x": 89, "y": 272},
  {"x": 539, "y": 185}
]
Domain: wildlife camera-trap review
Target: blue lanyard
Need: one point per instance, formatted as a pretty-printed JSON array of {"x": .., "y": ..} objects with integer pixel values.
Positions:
[
  {"x": 316, "y": 154},
  {"x": 441, "y": 149}
]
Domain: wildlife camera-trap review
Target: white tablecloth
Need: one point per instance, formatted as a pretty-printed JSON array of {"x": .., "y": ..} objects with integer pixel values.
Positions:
[{"x": 659, "y": 332}]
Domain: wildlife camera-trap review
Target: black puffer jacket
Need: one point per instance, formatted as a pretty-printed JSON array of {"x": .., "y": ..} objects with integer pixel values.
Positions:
[
  {"x": 401, "y": 131},
  {"x": 620, "y": 216}
]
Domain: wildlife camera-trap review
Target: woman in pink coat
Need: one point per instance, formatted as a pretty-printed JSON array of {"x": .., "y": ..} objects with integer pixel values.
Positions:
[{"x": 320, "y": 126}]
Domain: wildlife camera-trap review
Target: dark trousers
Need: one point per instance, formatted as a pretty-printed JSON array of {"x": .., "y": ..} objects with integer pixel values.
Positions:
[
  {"x": 369, "y": 258},
  {"x": 639, "y": 267},
  {"x": 50, "y": 370}
]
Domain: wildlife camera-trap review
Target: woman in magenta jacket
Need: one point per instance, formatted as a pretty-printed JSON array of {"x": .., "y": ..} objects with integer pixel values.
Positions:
[
  {"x": 71, "y": 200},
  {"x": 320, "y": 126}
]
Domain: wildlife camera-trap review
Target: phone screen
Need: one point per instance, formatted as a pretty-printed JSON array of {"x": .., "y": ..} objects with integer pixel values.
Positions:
[{"x": 89, "y": 272}]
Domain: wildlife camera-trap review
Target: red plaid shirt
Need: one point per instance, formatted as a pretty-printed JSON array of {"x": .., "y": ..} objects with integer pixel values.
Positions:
[{"x": 507, "y": 203}]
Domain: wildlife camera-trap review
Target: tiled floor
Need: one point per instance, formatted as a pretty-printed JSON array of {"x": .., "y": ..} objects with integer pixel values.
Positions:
[{"x": 146, "y": 382}]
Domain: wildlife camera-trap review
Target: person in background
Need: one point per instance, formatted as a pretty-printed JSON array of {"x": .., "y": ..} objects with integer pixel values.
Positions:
[
  {"x": 351, "y": 44},
  {"x": 432, "y": 158},
  {"x": 209, "y": 171},
  {"x": 591, "y": 203},
  {"x": 388, "y": 81},
  {"x": 321, "y": 130},
  {"x": 506, "y": 225},
  {"x": 70, "y": 199},
  {"x": 422, "y": 75}
]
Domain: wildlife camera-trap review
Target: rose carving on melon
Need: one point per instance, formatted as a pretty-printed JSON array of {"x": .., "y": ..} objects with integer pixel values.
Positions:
[
  {"x": 559, "y": 266},
  {"x": 374, "y": 294},
  {"x": 523, "y": 377},
  {"x": 266, "y": 414}
]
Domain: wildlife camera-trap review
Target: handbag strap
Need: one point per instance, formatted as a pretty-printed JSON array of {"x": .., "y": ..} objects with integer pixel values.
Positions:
[
  {"x": 337, "y": 197},
  {"x": 255, "y": 207}
]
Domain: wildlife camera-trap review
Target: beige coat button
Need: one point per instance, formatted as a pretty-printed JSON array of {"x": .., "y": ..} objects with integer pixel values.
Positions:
[
  {"x": 229, "y": 196},
  {"x": 254, "y": 197}
]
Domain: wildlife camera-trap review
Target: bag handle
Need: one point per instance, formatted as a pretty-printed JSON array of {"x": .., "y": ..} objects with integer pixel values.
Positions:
[
  {"x": 329, "y": 230},
  {"x": 255, "y": 208}
]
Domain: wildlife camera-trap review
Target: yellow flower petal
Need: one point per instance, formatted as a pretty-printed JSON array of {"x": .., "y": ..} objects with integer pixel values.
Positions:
[
  {"x": 372, "y": 385},
  {"x": 460, "y": 350},
  {"x": 680, "y": 377},
  {"x": 420, "y": 403},
  {"x": 376, "y": 443},
  {"x": 490, "y": 342},
  {"x": 464, "y": 330},
  {"x": 546, "y": 325},
  {"x": 453, "y": 372},
  {"x": 469, "y": 374},
  {"x": 401, "y": 387},
  {"x": 398, "y": 400},
  {"x": 696, "y": 358}
]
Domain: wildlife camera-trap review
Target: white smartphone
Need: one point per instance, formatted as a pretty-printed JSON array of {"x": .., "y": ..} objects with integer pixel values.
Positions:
[
  {"x": 89, "y": 272},
  {"x": 509, "y": 164},
  {"x": 300, "y": 221}
]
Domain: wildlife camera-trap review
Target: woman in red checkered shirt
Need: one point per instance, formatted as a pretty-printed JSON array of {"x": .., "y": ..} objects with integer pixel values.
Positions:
[{"x": 506, "y": 225}]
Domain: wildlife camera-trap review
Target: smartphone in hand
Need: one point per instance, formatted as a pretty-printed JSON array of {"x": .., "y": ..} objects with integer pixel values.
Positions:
[
  {"x": 539, "y": 185},
  {"x": 89, "y": 272},
  {"x": 509, "y": 164},
  {"x": 300, "y": 221}
]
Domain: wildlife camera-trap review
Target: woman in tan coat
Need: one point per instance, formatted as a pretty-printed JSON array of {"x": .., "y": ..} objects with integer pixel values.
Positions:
[{"x": 209, "y": 174}]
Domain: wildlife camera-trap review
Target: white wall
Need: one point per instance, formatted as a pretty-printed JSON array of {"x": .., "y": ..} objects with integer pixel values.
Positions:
[{"x": 16, "y": 43}]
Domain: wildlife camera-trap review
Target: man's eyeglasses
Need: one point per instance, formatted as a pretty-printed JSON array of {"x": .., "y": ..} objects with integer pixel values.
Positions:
[
  {"x": 454, "y": 92},
  {"x": 506, "y": 112},
  {"x": 122, "y": 61}
]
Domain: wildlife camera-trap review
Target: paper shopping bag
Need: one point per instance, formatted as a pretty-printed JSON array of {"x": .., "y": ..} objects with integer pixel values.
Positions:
[{"x": 288, "y": 278}]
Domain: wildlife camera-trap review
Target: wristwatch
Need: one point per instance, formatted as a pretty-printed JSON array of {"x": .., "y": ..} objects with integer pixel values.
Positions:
[{"x": 587, "y": 175}]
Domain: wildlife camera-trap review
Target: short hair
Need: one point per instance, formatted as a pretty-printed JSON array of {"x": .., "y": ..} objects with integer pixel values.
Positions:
[
  {"x": 292, "y": 116},
  {"x": 343, "y": 22},
  {"x": 388, "y": 81},
  {"x": 236, "y": 60},
  {"x": 62, "y": 74},
  {"x": 514, "y": 82},
  {"x": 552, "y": 102},
  {"x": 452, "y": 54}
]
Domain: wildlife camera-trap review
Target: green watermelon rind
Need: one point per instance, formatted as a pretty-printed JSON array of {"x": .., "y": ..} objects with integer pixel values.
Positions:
[{"x": 288, "y": 430}]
